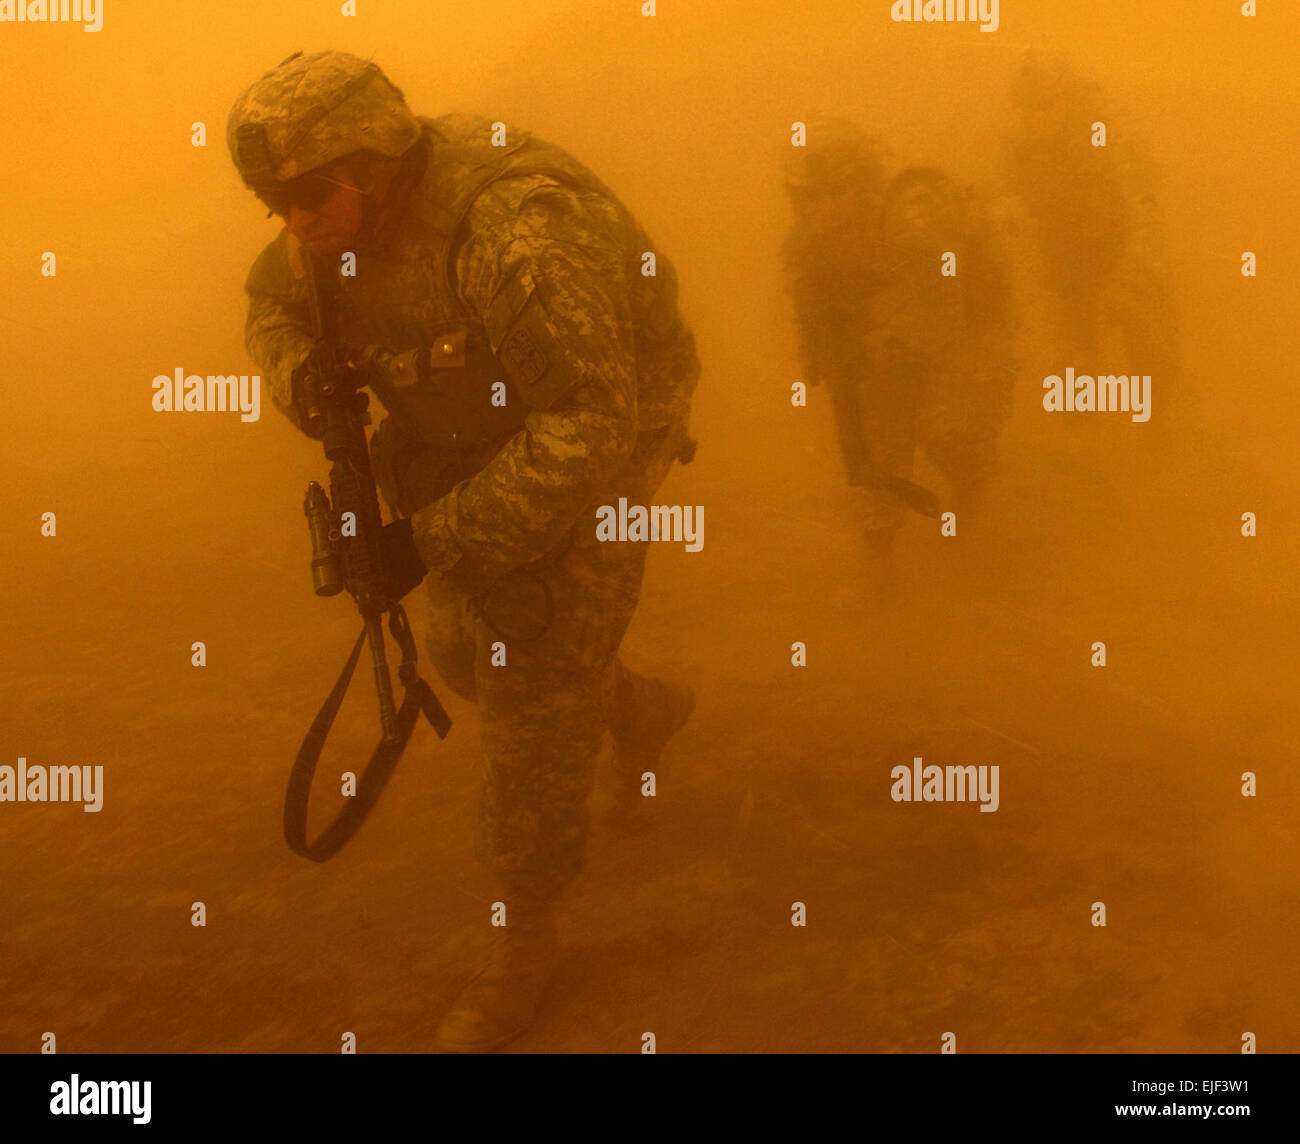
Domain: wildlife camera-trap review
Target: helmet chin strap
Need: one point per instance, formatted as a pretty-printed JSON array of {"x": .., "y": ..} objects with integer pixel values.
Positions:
[
  {"x": 364, "y": 182},
  {"x": 376, "y": 208},
  {"x": 371, "y": 208}
]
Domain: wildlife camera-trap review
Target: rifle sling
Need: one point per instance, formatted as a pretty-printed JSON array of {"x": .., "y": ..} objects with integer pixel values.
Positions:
[{"x": 418, "y": 697}]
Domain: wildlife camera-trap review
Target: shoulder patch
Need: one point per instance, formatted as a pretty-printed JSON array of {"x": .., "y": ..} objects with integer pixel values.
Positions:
[
  {"x": 519, "y": 333},
  {"x": 522, "y": 357}
]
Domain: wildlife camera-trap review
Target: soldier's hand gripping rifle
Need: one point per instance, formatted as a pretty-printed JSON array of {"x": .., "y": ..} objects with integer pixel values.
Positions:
[{"x": 349, "y": 551}]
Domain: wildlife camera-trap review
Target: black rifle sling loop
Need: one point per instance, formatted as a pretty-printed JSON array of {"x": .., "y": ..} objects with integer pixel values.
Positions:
[
  {"x": 416, "y": 690},
  {"x": 418, "y": 697}
]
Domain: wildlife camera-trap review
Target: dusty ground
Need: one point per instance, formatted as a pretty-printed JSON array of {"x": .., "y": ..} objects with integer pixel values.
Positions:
[{"x": 1117, "y": 784}]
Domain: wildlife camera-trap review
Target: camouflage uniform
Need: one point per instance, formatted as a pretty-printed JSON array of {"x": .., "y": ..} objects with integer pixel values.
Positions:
[
  {"x": 910, "y": 358},
  {"x": 515, "y": 265},
  {"x": 1097, "y": 225}
]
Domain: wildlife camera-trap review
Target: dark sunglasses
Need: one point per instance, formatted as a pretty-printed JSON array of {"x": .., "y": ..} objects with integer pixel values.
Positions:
[{"x": 307, "y": 192}]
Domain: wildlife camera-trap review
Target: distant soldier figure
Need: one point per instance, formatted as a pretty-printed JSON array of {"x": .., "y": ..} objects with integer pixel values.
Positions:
[
  {"x": 531, "y": 374},
  {"x": 910, "y": 356},
  {"x": 1096, "y": 224}
]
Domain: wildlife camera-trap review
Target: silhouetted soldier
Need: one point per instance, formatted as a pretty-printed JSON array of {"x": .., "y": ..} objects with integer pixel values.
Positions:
[
  {"x": 909, "y": 357},
  {"x": 478, "y": 265}
]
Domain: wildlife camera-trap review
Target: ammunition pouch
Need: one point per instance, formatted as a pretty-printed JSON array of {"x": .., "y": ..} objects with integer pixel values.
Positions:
[{"x": 409, "y": 473}]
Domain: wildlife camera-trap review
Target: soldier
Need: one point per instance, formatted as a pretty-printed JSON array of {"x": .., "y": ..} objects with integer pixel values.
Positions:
[
  {"x": 1096, "y": 223},
  {"x": 531, "y": 373},
  {"x": 909, "y": 357}
]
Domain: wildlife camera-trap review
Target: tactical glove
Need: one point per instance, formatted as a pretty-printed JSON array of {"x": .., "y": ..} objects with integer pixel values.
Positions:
[
  {"x": 401, "y": 557},
  {"x": 306, "y": 391}
]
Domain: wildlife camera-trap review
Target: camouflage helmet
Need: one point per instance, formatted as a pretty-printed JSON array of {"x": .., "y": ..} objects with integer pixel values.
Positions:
[
  {"x": 313, "y": 109},
  {"x": 837, "y": 152}
]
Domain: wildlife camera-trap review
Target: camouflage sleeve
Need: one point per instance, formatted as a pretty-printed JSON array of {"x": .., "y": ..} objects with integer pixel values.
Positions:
[
  {"x": 277, "y": 331},
  {"x": 543, "y": 267}
]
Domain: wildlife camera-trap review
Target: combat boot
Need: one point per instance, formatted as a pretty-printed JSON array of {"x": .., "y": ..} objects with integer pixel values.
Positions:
[
  {"x": 651, "y": 712},
  {"x": 500, "y": 1001}
]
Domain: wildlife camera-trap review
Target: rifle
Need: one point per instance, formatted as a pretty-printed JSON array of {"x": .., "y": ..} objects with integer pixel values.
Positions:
[
  {"x": 347, "y": 553},
  {"x": 863, "y": 472}
]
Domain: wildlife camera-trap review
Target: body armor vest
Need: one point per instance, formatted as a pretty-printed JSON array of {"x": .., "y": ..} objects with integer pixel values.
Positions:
[{"x": 444, "y": 394}]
